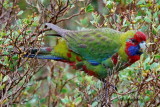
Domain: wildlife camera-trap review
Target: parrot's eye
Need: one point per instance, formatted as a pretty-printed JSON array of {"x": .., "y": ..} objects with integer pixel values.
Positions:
[{"x": 134, "y": 41}]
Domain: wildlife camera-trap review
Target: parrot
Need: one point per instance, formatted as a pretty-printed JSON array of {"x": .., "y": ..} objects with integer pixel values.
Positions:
[{"x": 98, "y": 52}]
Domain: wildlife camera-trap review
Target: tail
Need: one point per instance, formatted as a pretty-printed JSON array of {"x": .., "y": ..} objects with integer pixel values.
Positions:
[
  {"x": 42, "y": 53},
  {"x": 59, "y": 30},
  {"x": 44, "y": 57}
]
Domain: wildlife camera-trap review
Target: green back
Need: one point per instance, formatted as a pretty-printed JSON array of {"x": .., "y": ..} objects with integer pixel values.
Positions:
[{"x": 94, "y": 45}]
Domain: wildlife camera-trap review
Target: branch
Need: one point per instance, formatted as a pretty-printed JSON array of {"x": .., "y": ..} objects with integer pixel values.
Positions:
[{"x": 80, "y": 13}]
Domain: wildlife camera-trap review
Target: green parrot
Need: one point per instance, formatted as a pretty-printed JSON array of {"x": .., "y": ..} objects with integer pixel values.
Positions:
[{"x": 98, "y": 52}]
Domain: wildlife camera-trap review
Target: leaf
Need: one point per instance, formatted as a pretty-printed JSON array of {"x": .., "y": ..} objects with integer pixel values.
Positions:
[
  {"x": 154, "y": 31},
  {"x": 19, "y": 22},
  {"x": 1, "y": 76},
  {"x": 149, "y": 79},
  {"x": 148, "y": 92},
  {"x": 94, "y": 104},
  {"x": 5, "y": 78},
  {"x": 49, "y": 79},
  {"x": 147, "y": 19},
  {"x": 96, "y": 18},
  {"x": 138, "y": 18},
  {"x": 2, "y": 86},
  {"x": 15, "y": 57},
  {"x": 154, "y": 65},
  {"x": 65, "y": 100},
  {"x": 158, "y": 28},
  {"x": 147, "y": 67},
  {"x": 109, "y": 4},
  {"x": 7, "y": 41},
  {"x": 146, "y": 98},
  {"x": 3, "y": 101},
  {"x": 10, "y": 47},
  {"x": 20, "y": 68},
  {"x": 157, "y": 56},
  {"x": 78, "y": 100},
  {"x": 43, "y": 100},
  {"x": 20, "y": 13},
  {"x": 6, "y": 53},
  {"x": 144, "y": 28},
  {"x": 64, "y": 90},
  {"x": 89, "y": 8},
  {"x": 147, "y": 60}
]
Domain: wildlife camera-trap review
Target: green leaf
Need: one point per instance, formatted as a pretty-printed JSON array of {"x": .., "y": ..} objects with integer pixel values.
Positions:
[
  {"x": 158, "y": 28},
  {"x": 94, "y": 104},
  {"x": 149, "y": 79},
  {"x": 15, "y": 57},
  {"x": 147, "y": 19},
  {"x": 144, "y": 28},
  {"x": 1, "y": 77},
  {"x": 29, "y": 31},
  {"x": 65, "y": 100},
  {"x": 89, "y": 8},
  {"x": 43, "y": 100},
  {"x": 20, "y": 13},
  {"x": 64, "y": 90},
  {"x": 49, "y": 79},
  {"x": 148, "y": 92},
  {"x": 28, "y": 105},
  {"x": 154, "y": 31},
  {"x": 147, "y": 66},
  {"x": 5, "y": 78},
  {"x": 109, "y": 4},
  {"x": 2, "y": 86},
  {"x": 78, "y": 100},
  {"x": 20, "y": 69},
  {"x": 154, "y": 65},
  {"x": 146, "y": 98},
  {"x": 10, "y": 47},
  {"x": 2, "y": 34},
  {"x": 157, "y": 56},
  {"x": 6, "y": 53}
]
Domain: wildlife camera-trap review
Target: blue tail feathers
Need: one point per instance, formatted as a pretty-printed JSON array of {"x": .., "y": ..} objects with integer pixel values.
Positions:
[{"x": 44, "y": 57}]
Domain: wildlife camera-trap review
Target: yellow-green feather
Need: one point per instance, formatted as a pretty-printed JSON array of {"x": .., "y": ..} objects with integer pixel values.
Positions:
[
  {"x": 61, "y": 50},
  {"x": 124, "y": 37}
]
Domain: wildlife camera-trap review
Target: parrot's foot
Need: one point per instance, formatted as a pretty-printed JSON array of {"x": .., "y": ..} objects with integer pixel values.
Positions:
[
  {"x": 113, "y": 86},
  {"x": 106, "y": 87},
  {"x": 108, "y": 84}
]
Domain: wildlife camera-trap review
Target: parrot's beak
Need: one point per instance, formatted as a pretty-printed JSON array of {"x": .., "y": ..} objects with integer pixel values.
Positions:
[{"x": 143, "y": 46}]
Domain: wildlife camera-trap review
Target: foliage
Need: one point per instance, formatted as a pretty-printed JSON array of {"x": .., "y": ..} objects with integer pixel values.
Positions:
[{"x": 33, "y": 82}]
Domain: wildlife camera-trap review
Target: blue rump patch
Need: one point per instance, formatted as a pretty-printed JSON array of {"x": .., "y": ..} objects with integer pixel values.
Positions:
[{"x": 93, "y": 62}]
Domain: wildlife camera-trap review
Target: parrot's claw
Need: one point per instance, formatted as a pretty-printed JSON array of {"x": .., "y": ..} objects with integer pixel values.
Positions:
[{"x": 106, "y": 86}]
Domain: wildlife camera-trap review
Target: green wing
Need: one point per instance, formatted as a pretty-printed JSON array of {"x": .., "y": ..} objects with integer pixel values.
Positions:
[{"x": 94, "y": 45}]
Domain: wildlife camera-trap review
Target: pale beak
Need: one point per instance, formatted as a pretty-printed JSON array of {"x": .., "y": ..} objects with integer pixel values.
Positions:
[{"x": 143, "y": 45}]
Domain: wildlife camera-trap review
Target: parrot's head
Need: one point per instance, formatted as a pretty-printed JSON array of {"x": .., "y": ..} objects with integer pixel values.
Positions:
[{"x": 136, "y": 44}]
